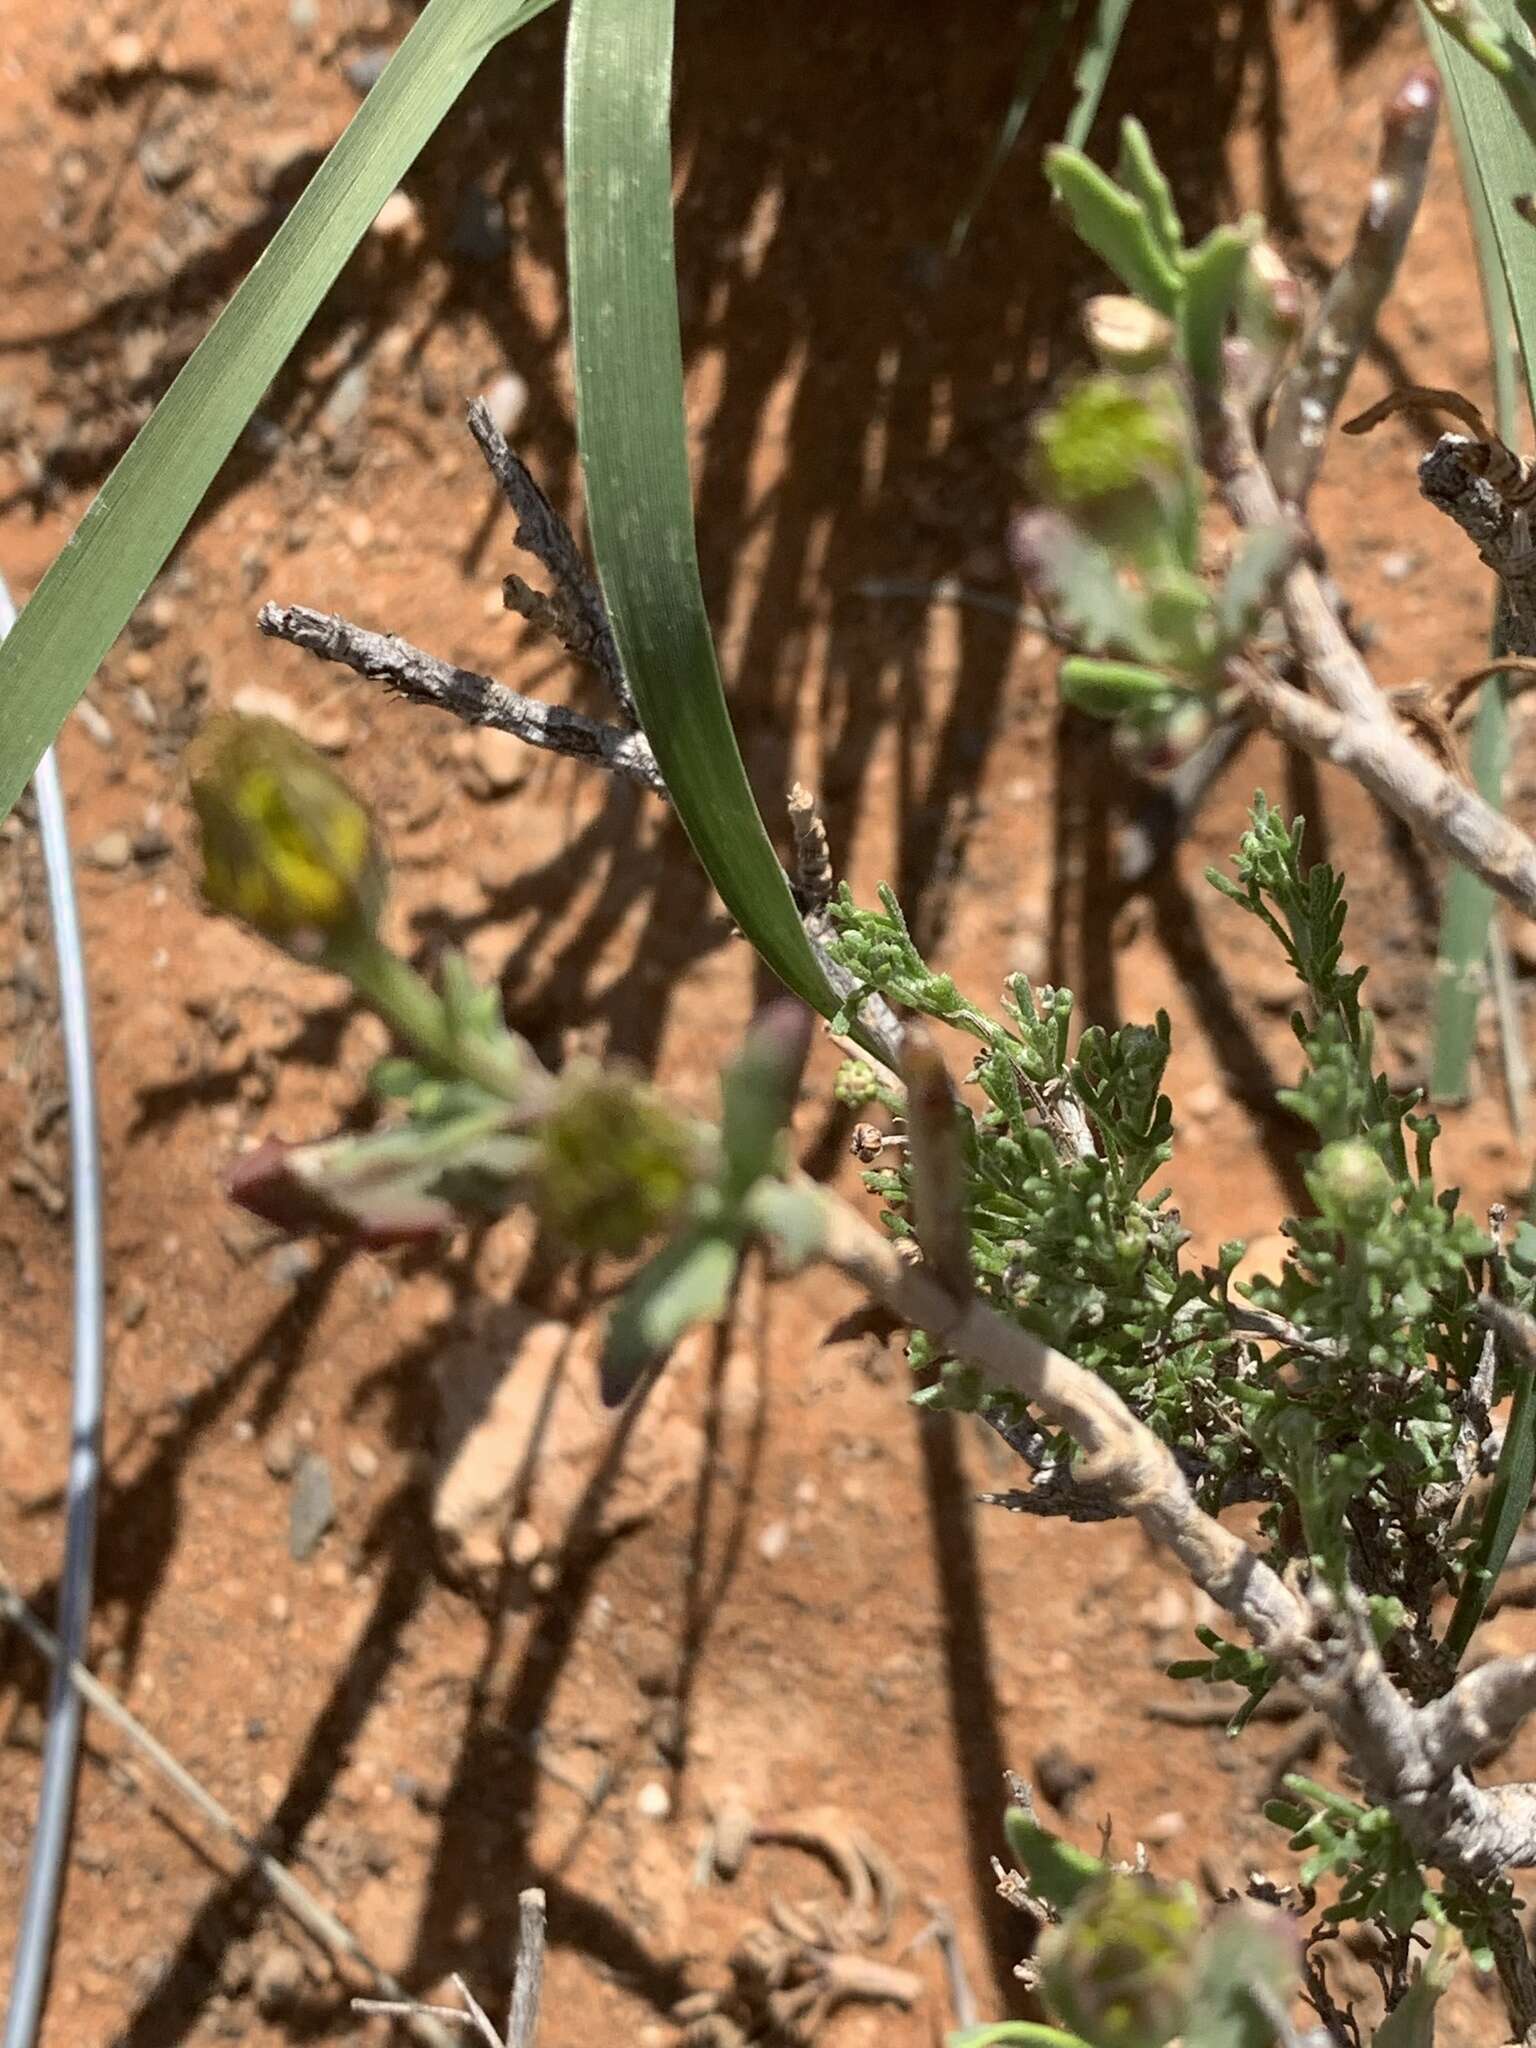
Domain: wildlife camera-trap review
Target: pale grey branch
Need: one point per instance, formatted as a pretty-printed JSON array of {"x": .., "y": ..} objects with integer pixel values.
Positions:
[
  {"x": 579, "y": 618},
  {"x": 1309, "y": 393},
  {"x": 477, "y": 699}
]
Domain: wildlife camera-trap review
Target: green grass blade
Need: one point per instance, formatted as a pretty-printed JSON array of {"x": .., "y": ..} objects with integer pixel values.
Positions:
[
  {"x": 142, "y": 509},
  {"x": 1093, "y": 68},
  {"x": 1089, "y": 77},
  {"x": 1498, "y": 163},
  {"x": 1466, "y": 918},
  {"x": 1505, "y": 1511},
  {"x": 634, "y": 453},
  {"x": 1502, "y": 159},
  {"x": 1045, "y": 41}
]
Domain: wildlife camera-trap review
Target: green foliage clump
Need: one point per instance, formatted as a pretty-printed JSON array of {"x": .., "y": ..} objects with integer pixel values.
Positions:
[{"x": 1342, "y": 1392}]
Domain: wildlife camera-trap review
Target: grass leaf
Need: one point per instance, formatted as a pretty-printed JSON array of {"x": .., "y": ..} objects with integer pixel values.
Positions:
[
  {"x": 629, "y": 402},
  {"x": 1498, "y": 163}
]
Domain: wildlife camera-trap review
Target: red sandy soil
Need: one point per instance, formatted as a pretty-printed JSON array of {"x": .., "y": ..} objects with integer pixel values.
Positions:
[{"x": 796, "y": 1598}]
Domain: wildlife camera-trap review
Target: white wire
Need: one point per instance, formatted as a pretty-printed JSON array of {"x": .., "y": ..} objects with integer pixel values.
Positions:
[{"x": 61, "y": 1747}]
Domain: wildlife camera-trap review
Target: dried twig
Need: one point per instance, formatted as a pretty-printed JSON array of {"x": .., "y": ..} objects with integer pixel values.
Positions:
[
  {"x": 528, "y": 1979},
  {"x": 1379, "y": 754},
  {"x": 1452, "y": 477},
  {"x": 317, "y": 1920},
  {"x": 577, "y": 615},
  {"x": 813, "y": 880},
  {"x": 477, "y": 699},
  {"x": 1308, "y": 395}
]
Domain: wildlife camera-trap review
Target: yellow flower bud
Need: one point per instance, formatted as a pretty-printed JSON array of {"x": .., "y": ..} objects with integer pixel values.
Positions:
[{"x": 287, "y": 847}]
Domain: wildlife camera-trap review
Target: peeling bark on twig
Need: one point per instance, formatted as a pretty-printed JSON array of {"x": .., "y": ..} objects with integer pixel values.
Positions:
[
  {"x": 477, "y": 699},
  {"x": 580, "y": 619}
]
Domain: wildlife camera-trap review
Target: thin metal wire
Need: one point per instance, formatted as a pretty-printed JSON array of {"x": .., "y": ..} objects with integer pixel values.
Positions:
[{"x": 61, "y": 1747}]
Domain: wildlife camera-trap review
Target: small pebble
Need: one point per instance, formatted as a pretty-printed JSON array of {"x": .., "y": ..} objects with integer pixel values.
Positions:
[
  {"x": 312, "y": 1508},
  {"x": 524, "y": 1544},
  {"x": 124, "y": 54},
  {"x": 279, "y": 1976},
  {"x": 1163, "y": 1827},
  {"x": 278, "y": 1609},
  {"x": 362, "y": 1461},
  {"x": 167, "y": 158},
  {"x": 653, "y": 1801},
  {"x": 1165, "y": 1611},
  {"x": 348, "y": 397},
  {"x": 506, "y": 400},
  {"x": 291, "y": 1263},
  {"x": 398, "y": 219},
  {"x": 133, "y": 1301},
  {"x": 492, "y": 763},
  {"x": 112, "y": 851},
  {"x": 95, "y": 723},
  {"x": 364, "y": 70},
  {"x": 773, "y": 1541},
  {"x": 1204, "y": 1102}
]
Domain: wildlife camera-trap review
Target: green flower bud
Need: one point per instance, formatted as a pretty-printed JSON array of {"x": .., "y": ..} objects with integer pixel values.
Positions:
[
  {"x": 615, "y": 1162},
  {"x": 287, "y": 847},
  {"x": 1119, "y": 1968},
  {"x": 1106, "y": 437},
  {"x": 854, "y": 1084},
  {"x": 1351, "y": 1185}
]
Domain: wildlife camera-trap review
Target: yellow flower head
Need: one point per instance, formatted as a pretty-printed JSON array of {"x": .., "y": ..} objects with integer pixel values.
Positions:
[{"x": 287, "y": 847}]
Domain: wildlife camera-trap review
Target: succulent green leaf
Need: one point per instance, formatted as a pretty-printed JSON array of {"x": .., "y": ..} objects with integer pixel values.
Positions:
[
  {"x": 791, "y": 1219},
  {"x": 1057, "y": 1873},
  {"x": 1243, "y": 1948},
  {"x": 688, "y": 1281},
  {"x": 1139, "y": 172},
  {"x": 1078, "y": 578},
  {"x": 759, "y": 1092},
  {"x": 1212, "y": 275},
  {"x": 1470, "y": 24},
  {"x": 1115, "y": 226},
  {"x": 1112, "y": 689},
  {"x": 1411, "y": 2022}
]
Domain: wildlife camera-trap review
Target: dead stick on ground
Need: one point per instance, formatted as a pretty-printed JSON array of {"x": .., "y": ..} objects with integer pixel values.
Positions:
[
  {"x": 317, "y": 1920},
  {"x": 528, "y": 1979}
]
